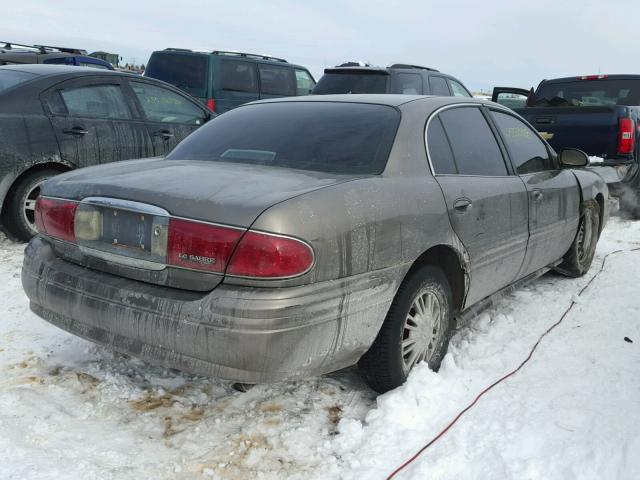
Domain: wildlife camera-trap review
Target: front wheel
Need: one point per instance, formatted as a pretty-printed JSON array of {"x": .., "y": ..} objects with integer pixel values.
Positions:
[
  {"x": 577, "y": 261},
  {"x": 417, "y": 328}
]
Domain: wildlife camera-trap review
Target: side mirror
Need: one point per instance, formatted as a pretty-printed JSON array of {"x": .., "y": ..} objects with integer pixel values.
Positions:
[{"x": 572, "y": 157}]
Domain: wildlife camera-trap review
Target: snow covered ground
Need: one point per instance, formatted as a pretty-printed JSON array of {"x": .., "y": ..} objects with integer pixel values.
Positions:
[{"x": 71, "y": 410}]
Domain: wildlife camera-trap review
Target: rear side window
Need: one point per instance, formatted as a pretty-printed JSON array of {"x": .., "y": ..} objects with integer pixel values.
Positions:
[
  {"x": 96, "y": 101},
  {"x": 11, "y": 78},
  {"x": 162, "y": 105},
  {"x": 319, "y": 136},
  {"x": 457, "y": 89},
  {"x": 185, "y": 71},
  {"x": 304, "y": 82},
  {"x": 439, "y": 86},
  {"x": 362, "y": 82},
  {"x": 440, "y": 152},
  {"x": 527, "y": 151},
  {"x": 277, "y": 80},
  {"x": 475, "y": 149},
  {"x": 239, "y": 76},
  {"x": 407, "y": 84}
]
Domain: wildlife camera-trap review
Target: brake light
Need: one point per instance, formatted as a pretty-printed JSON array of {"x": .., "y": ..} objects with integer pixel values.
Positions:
[
  {"x": 264, "y": 255},
  {"x": 200, "y": 246},
  {"x": 211, "y": 104},
  {"x": 55, "y": 218},
  {"x": 626, "y": 136},
  {"x": 593, "y": 77}
]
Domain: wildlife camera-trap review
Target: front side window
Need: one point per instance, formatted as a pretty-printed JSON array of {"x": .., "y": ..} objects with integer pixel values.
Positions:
[
  {"x": 527, "y": 151},
  {"x": 457, "y": 89},
  {"x": 407, "y": 84},
  {"x": 162, "y": 105},
  {"x": 277, "y": 80},
  {"x": 475, "y": 149},
  {"x": 332, "y": 137},
  {"x": 304, "y": 82},
  {"x": 239, "y": 76},
  {"x": 96, "y": 101},
  {"x": 439, "y": 86}
]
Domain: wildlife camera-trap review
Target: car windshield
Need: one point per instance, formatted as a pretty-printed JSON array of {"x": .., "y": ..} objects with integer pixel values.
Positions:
[
  {"x": 11, "y": 78},
  {"x": 589, "y": 93},
  {"x": 333, "y": 137},
  {"x": 184, "y": 70},
  {"x": 356, "y": 82}
]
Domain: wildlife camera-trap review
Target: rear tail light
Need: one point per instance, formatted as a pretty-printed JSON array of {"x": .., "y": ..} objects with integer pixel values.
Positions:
[
  {"x": 264, "y": 255},
  {"x": 180, "y": 243},
  {"x": 200, "y": 246},
  {"x": 626, "y": 136},
  {"x": 211, "y": 104},
  {"x": 56, "y": 218}
]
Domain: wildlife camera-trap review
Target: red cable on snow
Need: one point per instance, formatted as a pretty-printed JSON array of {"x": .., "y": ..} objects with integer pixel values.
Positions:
[{"x": 511, "y": 373}]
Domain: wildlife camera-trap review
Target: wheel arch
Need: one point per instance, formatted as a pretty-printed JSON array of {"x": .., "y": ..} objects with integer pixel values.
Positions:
[
  {"x": 11, "y": 185},
  {"x": 454, "y": 264}
]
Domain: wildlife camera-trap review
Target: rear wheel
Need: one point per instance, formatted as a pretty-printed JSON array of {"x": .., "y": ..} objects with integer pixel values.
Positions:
[
  {"x": 417, "y": 328},
  {"x": 19, "y": 210},
  {"x": 577, "y": 261}
]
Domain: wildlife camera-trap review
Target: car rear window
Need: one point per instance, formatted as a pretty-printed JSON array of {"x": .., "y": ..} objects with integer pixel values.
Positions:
[
  {"x": 356, "y": 82},
  {"x": 185, "y": 71},
  {"x": 11, "y": 78},
  {"x": 327, "y": 137},
  {"x": 589, "y": 93}
]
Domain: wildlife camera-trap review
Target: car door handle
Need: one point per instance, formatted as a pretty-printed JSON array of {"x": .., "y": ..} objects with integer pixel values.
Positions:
[
  {"x": 75, "y": 131},
  {"x": 462, "y": 205},
  {"x": 164, "y": 134},
  {"x": 537, "y": 195}
]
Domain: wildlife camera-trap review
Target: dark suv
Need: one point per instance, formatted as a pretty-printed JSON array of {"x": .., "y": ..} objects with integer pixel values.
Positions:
[
  {"x": 400, "y": 78},
  {"x": 18, "y": 54},
  {"x": 224, "y": 80}
]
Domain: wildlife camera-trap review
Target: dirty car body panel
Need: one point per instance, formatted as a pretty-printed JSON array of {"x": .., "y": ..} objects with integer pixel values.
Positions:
[{"x": 367, "y": 227}]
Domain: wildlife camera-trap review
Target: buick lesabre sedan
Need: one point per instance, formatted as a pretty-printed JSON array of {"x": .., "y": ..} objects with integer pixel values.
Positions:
[{"x": 299, "y": 236}]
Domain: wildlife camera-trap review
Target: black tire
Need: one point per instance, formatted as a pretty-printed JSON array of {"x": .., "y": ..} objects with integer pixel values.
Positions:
[
  {"x": 577, "y": 261},
  {"x": 384, "y": 367},
  {"x": 19, "y": 223}
]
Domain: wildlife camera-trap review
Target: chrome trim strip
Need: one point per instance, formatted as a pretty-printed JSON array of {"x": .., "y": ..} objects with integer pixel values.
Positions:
[{"x": 128, "y": 205}]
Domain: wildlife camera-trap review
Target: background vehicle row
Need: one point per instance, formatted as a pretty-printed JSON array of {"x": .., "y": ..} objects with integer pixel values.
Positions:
[{"x": 56, "y": 118}]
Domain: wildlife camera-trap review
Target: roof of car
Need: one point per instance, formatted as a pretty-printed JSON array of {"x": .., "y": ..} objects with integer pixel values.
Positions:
[
  {"x": 51, "y": 70},
  {"x": 393, "y": 100}
]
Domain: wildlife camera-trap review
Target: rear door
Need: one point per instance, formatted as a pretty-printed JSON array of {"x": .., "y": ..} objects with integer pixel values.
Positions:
[
  {"x": 168, "y": 115},
  {"x": 94, "y": 121},
  {"x": 236, "y": 83},
  {"x": 486, "y": 203},
  {"x": 276, "y": 81},
  {"x": 553, "y": 193}
]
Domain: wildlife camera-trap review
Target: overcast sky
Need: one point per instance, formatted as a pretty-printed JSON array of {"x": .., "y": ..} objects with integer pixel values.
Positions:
[{"x": 483, "y": 43}]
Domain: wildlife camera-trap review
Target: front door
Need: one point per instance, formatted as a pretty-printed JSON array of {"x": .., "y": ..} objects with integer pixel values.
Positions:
[
  {"x": 487, "y": 205},
  {"x": 93, "y": 122},
  {"x": 553, "y": 193},
  {"x": 169, "y": 116}
]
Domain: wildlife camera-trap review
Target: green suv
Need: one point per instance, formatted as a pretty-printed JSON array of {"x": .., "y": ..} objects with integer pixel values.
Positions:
[{"x": 224, "y": 80}]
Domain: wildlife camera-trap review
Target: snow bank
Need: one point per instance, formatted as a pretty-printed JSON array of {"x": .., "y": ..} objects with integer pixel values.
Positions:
[{"x": 70, "y": 410}]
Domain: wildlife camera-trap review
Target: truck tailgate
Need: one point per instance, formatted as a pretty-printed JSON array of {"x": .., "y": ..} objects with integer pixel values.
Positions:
[{"x": 592, "y": 129}]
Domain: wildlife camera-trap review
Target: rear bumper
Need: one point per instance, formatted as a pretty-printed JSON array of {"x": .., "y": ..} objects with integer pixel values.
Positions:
[{"x": 251, "y": 335}]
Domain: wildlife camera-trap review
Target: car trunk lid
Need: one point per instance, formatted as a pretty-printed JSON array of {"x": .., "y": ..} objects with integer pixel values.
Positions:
[{"x": 124, "y": 210}]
